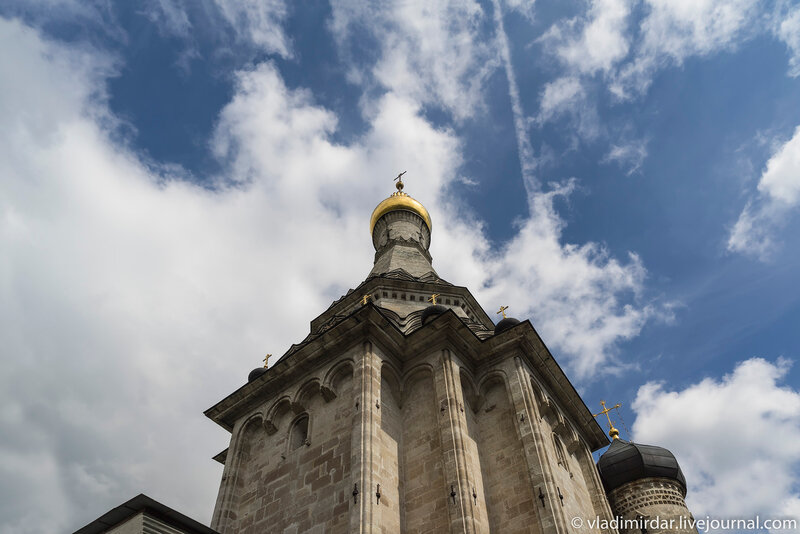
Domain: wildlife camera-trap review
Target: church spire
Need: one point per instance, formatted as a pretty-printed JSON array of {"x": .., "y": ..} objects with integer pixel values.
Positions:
[{"x": 401, "y": 234}]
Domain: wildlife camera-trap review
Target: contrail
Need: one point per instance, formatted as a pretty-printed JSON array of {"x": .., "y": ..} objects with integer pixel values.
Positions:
[{"x": 527, "y": 160}]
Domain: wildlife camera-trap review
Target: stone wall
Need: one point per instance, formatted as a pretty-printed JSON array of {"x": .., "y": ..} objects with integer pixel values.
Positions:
[
  {"x": 134, "y": 525},
  {"x": 447, "y": 449},
  {"x": 652, "y": 498},
  {"x": 390, "y": 439},
  {"x": 424, "y": 487},
  {"x": 508, "y": 492},
  {"x": 288, "y": 470}
]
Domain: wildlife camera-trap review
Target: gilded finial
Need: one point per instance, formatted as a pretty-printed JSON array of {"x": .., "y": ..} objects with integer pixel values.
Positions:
[
  {"x": 365, "y": 299},
  {"x": 503, "y": 311},
  {"x": 399, "y": 201},
  {"x": 266, "y": 360},
  {"x": 613, "y": 432},
  {"x": 433, "y": 298},
  {"x": 399, "y": 181}
]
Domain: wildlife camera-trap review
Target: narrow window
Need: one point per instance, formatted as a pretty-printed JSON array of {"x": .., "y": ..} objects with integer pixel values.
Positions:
[
  {"x": 560, "y": 456},
  {"x": 299, "y": 434}
]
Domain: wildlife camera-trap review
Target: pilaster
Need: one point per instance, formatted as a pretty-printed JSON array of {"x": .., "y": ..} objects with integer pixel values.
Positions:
[
  {"x": 595, "y": 488},
  {"x": 223, "y": 514},
  {"x": 453, "y": 425},
  {"x": 366, "y": 393},
  {"x": 527, "y": 415}
]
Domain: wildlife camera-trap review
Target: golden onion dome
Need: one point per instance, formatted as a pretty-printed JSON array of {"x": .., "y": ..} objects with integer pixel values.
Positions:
[{"x": 396, "y": 202}]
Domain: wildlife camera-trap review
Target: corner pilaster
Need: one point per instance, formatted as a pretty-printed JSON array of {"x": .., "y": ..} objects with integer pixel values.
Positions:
[
  {"x": 527, "y": 414},
  {"x": 453, "y": 425},
  {"x": 366, "y": 378}
]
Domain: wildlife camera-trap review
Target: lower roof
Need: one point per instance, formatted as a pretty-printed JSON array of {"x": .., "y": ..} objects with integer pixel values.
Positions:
[{"x": 143, "y": 503}]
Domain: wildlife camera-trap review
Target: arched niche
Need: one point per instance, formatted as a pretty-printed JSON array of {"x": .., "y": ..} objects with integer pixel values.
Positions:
[
  {"x": 337, "y": 379},
  {"x": 276, "y": 413},
  {"x": 299, "y": 432}
]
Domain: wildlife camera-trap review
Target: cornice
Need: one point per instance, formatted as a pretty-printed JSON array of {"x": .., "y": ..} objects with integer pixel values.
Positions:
[{"x": 370, "y": 323}]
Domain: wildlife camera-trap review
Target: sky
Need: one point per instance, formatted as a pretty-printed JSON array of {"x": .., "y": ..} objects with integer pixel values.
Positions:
[{"x": 176, "y": 174}]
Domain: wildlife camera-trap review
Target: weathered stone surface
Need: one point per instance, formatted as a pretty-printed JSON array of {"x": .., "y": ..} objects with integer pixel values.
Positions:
[
  {"x": 450, "y": 446},
  {"x": 652, "y": 498}
]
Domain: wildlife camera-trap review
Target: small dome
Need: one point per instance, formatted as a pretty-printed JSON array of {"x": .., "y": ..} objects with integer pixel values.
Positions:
[
  {"x": 625, "y": 462},
  {"x": 399, "y": 201},
  {"x": 505, "y": 324},
  {"x": 255, "y": 373},
  {"x": 432, "y": 312}
]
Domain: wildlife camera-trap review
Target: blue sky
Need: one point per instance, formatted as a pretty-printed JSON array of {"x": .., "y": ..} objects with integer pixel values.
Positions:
[{"x": 624, "y": 173}]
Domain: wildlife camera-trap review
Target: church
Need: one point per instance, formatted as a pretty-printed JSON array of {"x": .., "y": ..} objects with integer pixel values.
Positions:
[{"x": 406, "y": 409}]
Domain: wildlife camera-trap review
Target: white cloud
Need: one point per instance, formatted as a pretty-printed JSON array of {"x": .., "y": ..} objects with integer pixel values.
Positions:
[
  {"x": 259, "y": 22},
  {"x": 169, "y": 16},
  {"x": 523, "y": 7},
  {"x": 735, "y": 439},
  {"x": 587, "y": 299},
  {"x": 94, "y": 15},
  {"x": 595, "y": 42},
  {"x": 682, "y": 28},
  {"x": 778, "y": 196},
  {"x": 429, "y": 52},
  {"x": 673, "y": 30},
  {"x": 582, "y": 300},
  {"x": 781, "y": 180},
  {"x": 630, "y": 155},
  {"x": 559, "y": 96},
  {"x": 789, "y": 32},
  {"x": 132, "y": 298},
  {"x": 590, "y": 45},
  {"x": 609, "y": 39}
]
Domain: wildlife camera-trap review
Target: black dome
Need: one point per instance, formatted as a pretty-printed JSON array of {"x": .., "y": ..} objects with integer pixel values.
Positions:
[
  {"x": 505, "y": 324},
  {"x": 625, "y": 462},
  {"x": 255, "y": 373},
  {"x": 432, "y": 311}
]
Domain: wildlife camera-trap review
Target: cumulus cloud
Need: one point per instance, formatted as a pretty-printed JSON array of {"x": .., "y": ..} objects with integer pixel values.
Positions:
[
  {"x": 429, "y": 52},
  {"x": 674, "y": 31},
  {"x": 127, "y": 289},
  {"x": 619, "y": 46},
  {"x": 595, "y": 42},
  {"x": 609, "y": 39},
  {"x": 591, "y": 299},
  {"x": 559, "y": 96},
  {"x": 581, "y": 299},
  {"x": 133, "y": 298},
  {"x": 735, "y": 438},
  {"x": 777, "y": 198}
]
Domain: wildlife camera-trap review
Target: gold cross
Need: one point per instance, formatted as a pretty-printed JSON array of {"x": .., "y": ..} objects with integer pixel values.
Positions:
[
  {"x": 399, "y": 180},
  {"x": 503, "y": 311},
  {"x": 433, "y": 298},
  {"x": 266, "y": 360},
  {"x": 613, "y": 432},
  {"x": 364, "y": 299}
]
